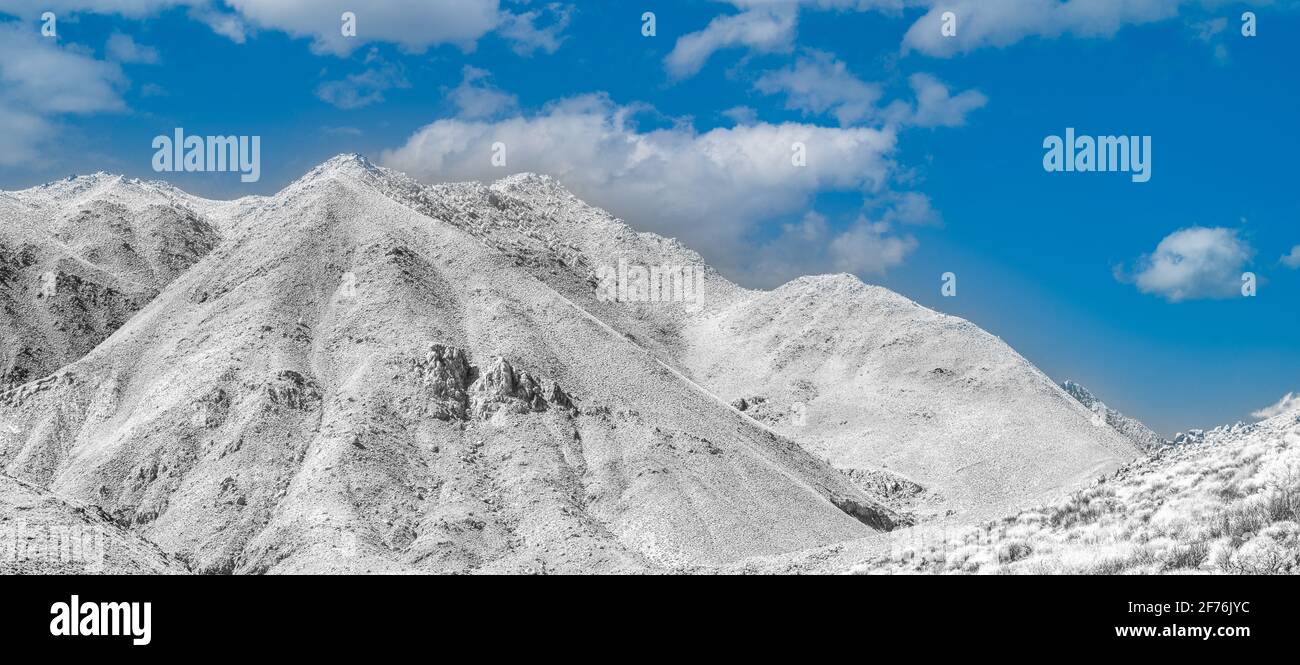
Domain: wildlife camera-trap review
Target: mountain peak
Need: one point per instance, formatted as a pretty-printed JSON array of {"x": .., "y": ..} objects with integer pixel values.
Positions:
[
  {"x": 528, "y": 181},
  {"x": 349, "y": 163},
  {"x": 99, "y": 184},
  {"x": 348, "y": 160}
]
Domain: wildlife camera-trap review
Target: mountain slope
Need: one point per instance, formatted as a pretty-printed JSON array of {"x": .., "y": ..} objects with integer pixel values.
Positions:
[
  {"x": 979, "y": 429},
  {"x": 42, "y": 534},
  {"x": 79, "y": 257},
  {"x": 872, "y": 380},
  {"x": 1132, "y": 429},
  {"x": 334, "y": 387}
]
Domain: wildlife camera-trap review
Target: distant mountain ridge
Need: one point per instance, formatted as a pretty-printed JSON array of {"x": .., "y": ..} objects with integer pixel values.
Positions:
[{"x": 1131, "y": 428}]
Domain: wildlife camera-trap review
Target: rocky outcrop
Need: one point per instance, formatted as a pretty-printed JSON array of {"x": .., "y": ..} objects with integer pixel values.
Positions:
[
  {"x": 445, "y": 373},
  {"x": 460, "y": 390},
  {"x": 20, "y": 394},
  {"x": 293, "y": 390},
  {"x": 504, "y": 387}
]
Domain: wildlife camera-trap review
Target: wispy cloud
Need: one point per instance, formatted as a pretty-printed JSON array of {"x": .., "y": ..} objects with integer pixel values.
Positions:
[
  {"x": 43, "y": 81},
  {"x": 124, "y": 48},
  {"x": 937, "y": 107},
  {"x": 476, "y": 99},
  {"x": 538, "y": 30},
  {"x": 998, "y": 23},
  {"x": 819, "y": 84},
  {"x": 811, "y": 246},
  {"x": 767, "y": 29},
  {"x": 413, "y": 25},
  {"x": 365, "y": 88},
  {"x": 1289, "y": 402},
  {"x": 1292, "y": 259}
]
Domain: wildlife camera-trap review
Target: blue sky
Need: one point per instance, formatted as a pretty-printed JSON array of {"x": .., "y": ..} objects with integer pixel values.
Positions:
[{"x": 924, "y": 152}]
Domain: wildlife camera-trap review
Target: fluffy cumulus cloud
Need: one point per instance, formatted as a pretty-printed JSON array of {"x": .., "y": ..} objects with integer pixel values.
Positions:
[
  {"x": 819, "y": 84},
  {"x": 711, "y": 189},
  {"x": 41, "y": 82},
  {"x": 1193, "y": 263},
  {"x": 414, "y": 25},
  {"x": 1289, "y": 402}
]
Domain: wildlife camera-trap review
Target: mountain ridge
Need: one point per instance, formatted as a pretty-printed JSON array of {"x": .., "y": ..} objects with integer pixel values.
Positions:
[{"x": 272, "y": 405}]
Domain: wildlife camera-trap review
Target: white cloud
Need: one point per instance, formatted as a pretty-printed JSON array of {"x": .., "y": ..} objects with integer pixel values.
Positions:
[
  {"x": 1196, "y": 262},
  {"x": 910, "y": 208},
  {"x": 767, "y": 29},
  {"x": 523, "y": 31},
  {"x": 23, "y": 134},
  {"x": 1207, "y": 30},
  {"x": 811, "y": 246},
  {"x": 39, "y": 75},
  {"x": 936, "y": 107},
  {"x": 476, "y": 99},
  {"x": 414, "y": 25},
  {"x": 1289, "y": 402},
  {"x": 817, "y": 83},
  {"x": 868, "y": 248},
  {"x": 124, "y": 48},
  {"x": 710, "y": 189},
  {"x": 1292, "y": 260},
  {"x": 1212, "y": 32},
  {"x": 771, "y": 25},
  {"x": 741, "y": 115},
  {"x": 41, "y": 81},
  {"x": 764, "y": 26},
  {"x": 226, "y": 24},
  {"x": 366, "y": 88},
  {"x": 32, "y": 9},
  {"x": 983, "y": 23}
]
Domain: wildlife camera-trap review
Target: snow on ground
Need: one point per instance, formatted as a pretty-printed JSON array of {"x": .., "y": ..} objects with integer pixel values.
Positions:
[{"x": 1227, "y": 504}]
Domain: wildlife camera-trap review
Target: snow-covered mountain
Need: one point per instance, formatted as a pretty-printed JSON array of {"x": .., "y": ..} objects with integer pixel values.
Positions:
[
  {"x": 365, "y": 373},
  {"x": 1131, "y": 428}
]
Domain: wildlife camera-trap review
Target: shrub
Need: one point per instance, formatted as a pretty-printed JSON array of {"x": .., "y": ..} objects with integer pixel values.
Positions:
[
  {"x": 1013, "y": 550},
  {"x": 1186, "y": 556}
]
